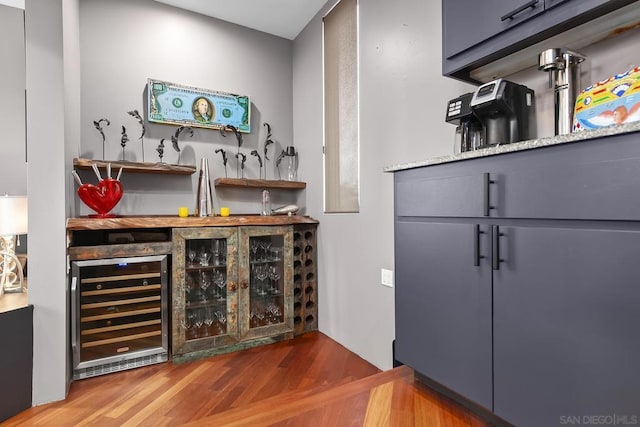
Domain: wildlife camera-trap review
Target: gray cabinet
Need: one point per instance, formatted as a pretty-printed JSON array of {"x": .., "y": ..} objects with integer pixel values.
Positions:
[
  {"x": 534, "y": 295},
  {"x": 489, "y": 18},
  {"x": 443, "y": 321},
  {"x": 477, "y": 33},
  {"x": 16, "y": 360},
  {"x": 565, "y": 316}
]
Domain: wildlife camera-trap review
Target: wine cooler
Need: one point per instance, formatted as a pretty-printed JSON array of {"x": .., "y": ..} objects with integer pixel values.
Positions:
[{"x": 119, "y": 314}]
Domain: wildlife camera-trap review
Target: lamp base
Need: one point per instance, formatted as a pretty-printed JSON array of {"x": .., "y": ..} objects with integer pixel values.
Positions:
[
  {"x": 18, "y": 288},
  {"x": 11, "y": 279}
]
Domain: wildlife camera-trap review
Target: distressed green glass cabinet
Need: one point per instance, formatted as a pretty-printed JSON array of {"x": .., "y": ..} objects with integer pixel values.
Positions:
[{"x": 232, "y": 288}]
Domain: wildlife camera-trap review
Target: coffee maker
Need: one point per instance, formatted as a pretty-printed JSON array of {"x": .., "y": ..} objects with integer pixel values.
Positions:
[
  {"x": 505, "y": 110},
  {"x": 468, "y": 127}
]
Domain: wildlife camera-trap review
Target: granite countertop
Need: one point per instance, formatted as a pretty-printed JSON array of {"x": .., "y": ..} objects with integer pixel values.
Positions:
[{"x": 520, "y": 146}]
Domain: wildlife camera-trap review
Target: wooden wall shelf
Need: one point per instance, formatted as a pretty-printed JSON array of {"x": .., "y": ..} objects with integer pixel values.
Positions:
[
  {"x": 259, "y": 183},
  {"x": 135, "y": 167}
]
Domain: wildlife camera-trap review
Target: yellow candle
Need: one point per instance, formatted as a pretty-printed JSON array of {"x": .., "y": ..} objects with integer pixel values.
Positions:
[
  {"x": 224, "y": 211},
  {"x": 183, "y": 211}
]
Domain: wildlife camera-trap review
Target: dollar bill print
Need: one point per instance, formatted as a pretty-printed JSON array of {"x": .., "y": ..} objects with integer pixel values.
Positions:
[{"x": 172, "y": 103}]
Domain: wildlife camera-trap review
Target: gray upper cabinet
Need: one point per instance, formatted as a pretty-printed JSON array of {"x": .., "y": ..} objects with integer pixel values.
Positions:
[
  {"x": 548, "y": 4},
  {"x": 489, "y": 18},
  {"x": 477, "y": 33}
]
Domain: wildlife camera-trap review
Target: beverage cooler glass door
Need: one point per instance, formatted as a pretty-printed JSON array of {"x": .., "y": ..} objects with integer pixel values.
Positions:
[
  {"x": 119, "y": 314},
  {"x": 266, "y": 281},
  {"x": 205, "y": 301}
]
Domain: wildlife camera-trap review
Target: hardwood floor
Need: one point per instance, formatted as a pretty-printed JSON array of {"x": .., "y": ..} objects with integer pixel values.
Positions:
[{"x": 308, "y": 381}]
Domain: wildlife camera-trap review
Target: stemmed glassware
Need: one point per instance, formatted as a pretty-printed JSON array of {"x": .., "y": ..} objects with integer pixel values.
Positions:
[
  {"x": 256, "y": 316},
  {"x": 260, "y": 316},
  {"x": 273, "y": 313},
  {"x": 265, "y": 250},
  {"x": 222, "y": 319},
  {"x": 276, "y": 313},
  {"x": 274, "y": 276},
  {"x": 208, "y": 321},
  {"x": 261, "y": 272},
  {"x": 204, "y": 256},
  {"x": 198, "y": 320},
  {"x": 205, "y": 282},
  {"x": 220, "y": 281},
  {"x": 219, "y": 251},
  {"x": 191, "y": 255},
  {"x": 254, "y": 245}
]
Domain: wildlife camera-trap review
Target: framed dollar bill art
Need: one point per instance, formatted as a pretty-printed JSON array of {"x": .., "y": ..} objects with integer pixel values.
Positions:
[{"x": 172, "y": 103}]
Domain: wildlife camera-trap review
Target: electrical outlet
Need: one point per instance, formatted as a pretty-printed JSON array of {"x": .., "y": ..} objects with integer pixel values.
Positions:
[{"x": 386, "y": 277}]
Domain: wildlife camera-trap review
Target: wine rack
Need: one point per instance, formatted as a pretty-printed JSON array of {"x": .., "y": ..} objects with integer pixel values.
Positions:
[
  {"x": 305, "y": 281},
  {"x": 119, "y": 314}
]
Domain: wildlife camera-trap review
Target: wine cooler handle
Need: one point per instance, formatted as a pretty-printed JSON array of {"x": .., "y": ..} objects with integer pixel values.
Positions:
[
  {"x": 476, "y": 245},
  {"x": 74, "y": 323},
  {"x": 495, "y": 245}
]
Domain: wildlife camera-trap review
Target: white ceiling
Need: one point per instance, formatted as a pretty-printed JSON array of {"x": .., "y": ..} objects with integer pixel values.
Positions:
[
  {"x": 13, "y": 3},
  {"x": 284, "y": 18}
]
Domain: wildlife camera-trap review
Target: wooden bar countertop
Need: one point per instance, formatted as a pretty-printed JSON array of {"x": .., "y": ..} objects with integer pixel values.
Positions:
[{"x": 174, "y": 221}]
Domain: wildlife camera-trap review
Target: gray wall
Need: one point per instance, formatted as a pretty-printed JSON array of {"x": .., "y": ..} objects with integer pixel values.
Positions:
[
  {"x": 53, "y": 56},
  {"x": 604, "y": 59},
  {"x": 154, "y": 40},
  {"x": 13, "y": 144},
  {"x": 402, "y": 100}
]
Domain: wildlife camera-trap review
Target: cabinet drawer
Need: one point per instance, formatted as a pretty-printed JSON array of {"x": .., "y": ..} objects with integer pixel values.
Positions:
[
  {"x": 452, "y": 196},
  {"x": 591, "y": 180}
]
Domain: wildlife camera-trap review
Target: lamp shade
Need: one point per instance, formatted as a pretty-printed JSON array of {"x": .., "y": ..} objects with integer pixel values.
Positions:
[{"x": 13, "y": 215}]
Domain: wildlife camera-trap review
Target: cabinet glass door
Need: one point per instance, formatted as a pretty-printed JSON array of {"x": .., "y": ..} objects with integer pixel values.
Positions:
[
  {"x": 204, "y": 288},
  {"x": 266, "y": 281}
]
